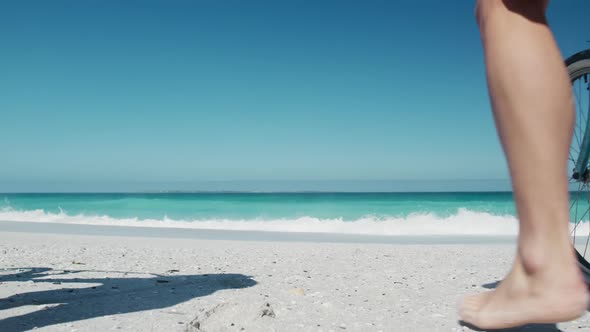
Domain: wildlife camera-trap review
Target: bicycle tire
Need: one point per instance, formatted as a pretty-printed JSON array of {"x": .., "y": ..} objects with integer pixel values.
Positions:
[{"x": 578, "y": 66}]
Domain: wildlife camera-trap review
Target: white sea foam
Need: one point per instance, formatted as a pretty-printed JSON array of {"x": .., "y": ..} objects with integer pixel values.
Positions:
[{"x": 464, "y": 222}]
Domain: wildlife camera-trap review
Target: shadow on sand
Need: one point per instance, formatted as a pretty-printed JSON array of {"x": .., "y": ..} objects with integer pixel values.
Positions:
[
  {"x": 491, "y": 285},
  {"x": 105, "y": 296},
  {"x": 526, "y": 328}
]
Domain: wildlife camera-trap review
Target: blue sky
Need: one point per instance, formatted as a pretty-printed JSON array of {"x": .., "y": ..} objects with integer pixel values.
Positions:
[{"x": 129, "y": 95}]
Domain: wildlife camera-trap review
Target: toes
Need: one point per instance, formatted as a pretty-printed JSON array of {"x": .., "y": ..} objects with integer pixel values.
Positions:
[
  {"x": 471, "y": 300},
  {"x": 466, "y": 307},
  {"x": 469, "y": 316},
  {"x": 470, "y": 306},
  {"x": 475, "y": 301}
]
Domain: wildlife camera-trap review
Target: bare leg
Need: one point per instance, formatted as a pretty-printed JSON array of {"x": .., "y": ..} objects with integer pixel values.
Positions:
[{"x": 533, "y": 108}]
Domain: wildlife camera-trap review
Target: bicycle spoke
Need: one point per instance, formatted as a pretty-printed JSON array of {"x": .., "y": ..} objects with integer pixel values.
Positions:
[
  {"x": 579, "y": 220},
  {"x": 572, "y": 205},
  {"x": 587, "y": 236},
  {"x": 588, "y": 94},
  {"x": 576, "y": 137},
  {"x": 578, "y": 99},
  {"x": 579, "y": 116},
  {"x": 585, "y": 115},
  {"x": 576, "y": 220},
  {"x": 573, "y": 149},
  {"x": 587, "y": 194}
]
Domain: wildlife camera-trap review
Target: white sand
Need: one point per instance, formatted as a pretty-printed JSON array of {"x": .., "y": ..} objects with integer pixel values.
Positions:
[{"x": 104, "y": 283}]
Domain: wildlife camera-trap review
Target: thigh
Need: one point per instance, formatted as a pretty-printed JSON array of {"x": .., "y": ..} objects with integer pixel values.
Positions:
[{"x": 533, "y": 10}]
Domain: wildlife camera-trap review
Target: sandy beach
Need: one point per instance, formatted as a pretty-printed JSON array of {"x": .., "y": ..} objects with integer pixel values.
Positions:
[{"x": 111, "y": 279}]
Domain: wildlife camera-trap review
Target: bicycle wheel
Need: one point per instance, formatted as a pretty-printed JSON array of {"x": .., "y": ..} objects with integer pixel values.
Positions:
[{"x": 578, "y": 67}]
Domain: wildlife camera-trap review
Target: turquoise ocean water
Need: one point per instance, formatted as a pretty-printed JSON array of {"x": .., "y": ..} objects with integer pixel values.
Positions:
[{"x": 363, "y": 213}]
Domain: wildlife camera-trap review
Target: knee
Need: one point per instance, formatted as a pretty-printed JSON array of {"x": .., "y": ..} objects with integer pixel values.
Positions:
[
  {"x": 483, "y": 8},
  {"x": 486, "y": 8}
]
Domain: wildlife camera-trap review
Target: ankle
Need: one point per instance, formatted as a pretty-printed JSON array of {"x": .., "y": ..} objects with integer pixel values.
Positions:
[{"x": 538, "y": 255}]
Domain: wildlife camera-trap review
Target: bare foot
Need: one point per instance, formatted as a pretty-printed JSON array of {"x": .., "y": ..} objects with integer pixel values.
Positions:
[{"x": 552, "y": 294}]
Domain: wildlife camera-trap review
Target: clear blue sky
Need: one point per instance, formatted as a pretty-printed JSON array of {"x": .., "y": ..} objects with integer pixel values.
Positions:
[{"x": 126, "y": 95}]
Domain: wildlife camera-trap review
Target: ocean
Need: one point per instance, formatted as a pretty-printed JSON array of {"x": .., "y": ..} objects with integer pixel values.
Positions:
[{"x": 466, "y": 213}]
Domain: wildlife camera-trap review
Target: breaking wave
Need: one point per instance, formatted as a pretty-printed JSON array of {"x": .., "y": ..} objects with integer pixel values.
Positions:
[{"x": 464, "y": 222}]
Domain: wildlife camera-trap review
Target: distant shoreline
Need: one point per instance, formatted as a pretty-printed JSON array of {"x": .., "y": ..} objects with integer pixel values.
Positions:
[
  {"x": 254, "y": 186},
  {"x": 286, "y": 192}
]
